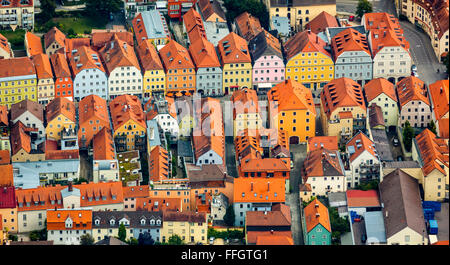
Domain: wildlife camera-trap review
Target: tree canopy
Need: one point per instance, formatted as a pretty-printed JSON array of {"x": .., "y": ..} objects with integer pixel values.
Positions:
[
  {"x": 48, "y": 8},
  {"x": 175, "y": 240},
  {"x": 364, "y": 6},
  {"x": 229, "y": 216},
  {"x": 255, "y": 7},
  {"x": 96, "y": 8},
  {"x": 122, "y": 232},
  {"x": 145, "y": 239},
  {"x": 86, "y": 239},
  {"x": 408, "y": 135}
]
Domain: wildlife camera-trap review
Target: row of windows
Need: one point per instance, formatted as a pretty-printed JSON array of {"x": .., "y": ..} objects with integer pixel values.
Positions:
[
  {"x": 237, "y": 80},
  {"x": 19, "y": 98},
  {"x": 236, "y": 72},
  {"x": 13, "y": 83},
  {"x": 303, "y": 69},
  {"x": 19, "y": 91},
  {"x": 128, "y": 81}
]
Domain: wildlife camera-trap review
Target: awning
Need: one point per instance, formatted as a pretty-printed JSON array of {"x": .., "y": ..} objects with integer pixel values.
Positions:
[
  {"x": 169, "y": 94},
  {"x": 178, "y": 94}
]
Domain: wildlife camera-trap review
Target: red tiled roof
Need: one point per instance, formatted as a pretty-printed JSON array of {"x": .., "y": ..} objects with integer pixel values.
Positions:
[
  {"x": 378, "y": 86},
  {"x": 316, "y": 213},
  {"x": 233, "y": 49},
  {"x": 249, "y": 26},
  {"x": 20, "y": 139},
  {"x": 43, "y": 66},
  {"x": 100, "y": 39},
  {"x": 83, "y": 58},
  {"x": 411, "y": 88},
  {"x": 291, "y": 95},
  {"x": 6, "y": 177},
  {"x": 4, "y": 45},
  {"x": 36, "y": 196},
  {"x": 118, "y": 53},
  {"x": 321, "y": 163},
  {"x": 54, "y": 34},
  {"x": 203, "y": 53},
  {"x": 23, "y": 106},
  {"x": 18, "y": 3},
  {"x": 433, "y": 151},
  {"x": 274, "y": 240},
  {"x": 244, "y": 101},
  {"x": 327, "y": 142},
  {"x": 5, "y": 157},
  {"x": 60, "y": 66},
  {"x": 4, "y": 115},
  {"x": 7, "y": 197},
  {"x": 159, "y": 204},
  {"x": 60, "y": 106},
  {"x": 158, "y": 164},
  {"x": 148, "y": 56},
  {"x": 361, "y": 143},
  {"x": 34, "y": 44},
  {"x": 440, "y": 96},
  {"x": 305, "y": 41},
  {"x": 103, "y": 145},
  {"x": 82, "y": 219},
  {"x": 349, "y": 40},
  {"x": 136, "y": 191},
  {"x": 321, "y": 22},
  {"x": 98, "y": 190},
  {"x": 16, "y": 67},
  {"x": 277, "y": 217},
  {"x": 175, "y": 56},
  {"x": 124, "y": 108},
  {"x": 252, "y": 236},
  {"x": 359, "y": 198},
  {"x": 264, "y": 188}
]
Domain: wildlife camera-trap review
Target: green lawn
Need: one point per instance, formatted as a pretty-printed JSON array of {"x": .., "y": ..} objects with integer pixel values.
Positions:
[
  {"x": 16, "y": 38},
  {"x": 80, "y": 25}
]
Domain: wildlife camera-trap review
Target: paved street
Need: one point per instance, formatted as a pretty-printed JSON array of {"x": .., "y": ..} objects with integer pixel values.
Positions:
[
  {"x": 293, "y": 199},
  {"x": 230, "y": 156},
  {"x": 420, "y": 45},
  {"x": 442, "y": 219}
]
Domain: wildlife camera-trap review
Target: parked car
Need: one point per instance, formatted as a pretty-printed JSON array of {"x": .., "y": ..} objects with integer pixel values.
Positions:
[
  {"x": 211, "y": 240},
  {"x": 395, "y": 142},
  {"x": 351, "y": 18},
  {"x": 363, "y": 238},
  {"x": 413, "y": 68},
  {"x": 292, "y": 164}
]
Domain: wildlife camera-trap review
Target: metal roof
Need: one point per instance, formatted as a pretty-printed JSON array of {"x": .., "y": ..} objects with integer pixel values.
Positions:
[{"x": 375, "y": 227}]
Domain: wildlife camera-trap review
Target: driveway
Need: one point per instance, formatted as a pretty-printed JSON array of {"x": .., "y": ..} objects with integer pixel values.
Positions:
[
  {"x": 442, "y": 219},
  {"x": 86, "y": 168},
  {"x": 358, "y": 229},
  {"x": 293, "y": 198}
]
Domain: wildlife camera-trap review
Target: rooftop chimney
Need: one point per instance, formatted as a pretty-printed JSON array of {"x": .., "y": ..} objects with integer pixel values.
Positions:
[
  {"x": 316, "y": 205},
  {"x": 317, "y": 215},
  {"x": 268, "y": 186},
  {"x": 251, "y": 186},
  {"x": 70, "y": 185}
]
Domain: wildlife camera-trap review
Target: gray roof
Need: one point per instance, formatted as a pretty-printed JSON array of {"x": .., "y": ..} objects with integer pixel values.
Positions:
[
  {"x": 215, "y": 31},
  {"x": 75, "y": 192},
  {"x": 152, "y": 125},
  {"x": 283, "y": 3},
  {"x": 110, "y": 241},
  {"x": 134, "y": 217},
  {"x": 400, "y": 195},
  {"x": 185, "y": 148},
  {"x": 375, "y": 227},
  {"x": 334, "y": 31},
  {"x": 337, "y": 197},
  {"x": 27, "y": 176},
  {"x": 382, "y": 145},
  {"x": 282, "y": 25},
  {"x": 401, "y": 164},
  {"x": 258, "y": 47},
  {"x": 155, "y": 24}
]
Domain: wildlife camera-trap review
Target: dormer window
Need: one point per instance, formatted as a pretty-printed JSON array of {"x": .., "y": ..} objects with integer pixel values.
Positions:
[
  {"x": 97, "y": 198},
  {"x": 52, "y": 202},
  {"x": 158, "y": 222},
  {"x": 114, "y": 197},
  {"x": 90, "y": 199},
  {"x": 104, "y": 198},
  {"x": 112, "y": 222},
  {"x": 97, "y": 222},
  {"x": 142, "y": 221},
  {"x": 28, "y": 204}
]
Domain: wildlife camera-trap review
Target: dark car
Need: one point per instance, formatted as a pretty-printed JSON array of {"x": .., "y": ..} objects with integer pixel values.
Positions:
[
  {"x": 351, "y": 18},
  {"x": 395, "y": 142},
  {"x": 399, "y": 158},
  {"x": 363, "y": 238}
]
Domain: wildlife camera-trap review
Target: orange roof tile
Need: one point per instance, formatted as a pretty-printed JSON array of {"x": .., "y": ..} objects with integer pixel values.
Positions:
[
  {"x": 60, "y": 66},
  {"x": 376, "y": 87},
  {"x": 158, "y": 164},
  {"x": 6, "y": 177},
  {"x": 272, "y": 137},
  {"x": 112, "y": 190},
  {"x": 290, "y": 95},
  {"x": 203, "y": 53},
  {"x": 341, "y": 92},
  {"x": 118, "y": 53},
  {"x": 60, "y": 106},
  {"x": 148, "y": 56},
  {"x": 62, "y": 154},
  {"x": 444, "y": 125},
  {"x": 84, "y": 57},
  {"x": 92, "y": 109},
  {"x": 252, "y": 236},
  {"x": 249, "y": 26},
  {"x": 124, "y": 108},
  {"x": 175, "y": 56},
  {"x": 54, "y": 34},
  {"x": 361, "y": 143},
  {"x": 265, "y": 189},
  {"x": 349, "y": 40},
  {"x": 359, "y": 198},
  {"x": 386, "y": 38},
  {"x": 73, "y": 44},
  {"x": 23, "y": 106},
  {"x": 20, "y": 139},
  {"x": 5, "y": 157},
  {"x": 4, "y": 45},
  {"x": 305, "y": 41},
  {"x": 433, "y": 152},
  {"x": 411, "y": 88},
  {"x": 244, "y": 101},
  {"x": 279, "y": 216},
  {"x": 16, "y": 67},
  {"x": 274, "y": 240},
  {"x": 439, "y": 93},
  {"x": 321, "y": 22},
  {"x": 316, "y": 213},
  {"x": 327, "y": 142},
  {"x": 82, "y": 219},
  {"x": 100, "y": 39},
  {"x": 159, "y": 204},
  {"x": 43, "y": 66},
  {"x": 381, "y": 20},
  {"x": 34, "y": 44},
  {"x": 4, "y": 121},
  {"x": 103, "y": 145},
  {"x": 192, "y": 19},
  {"x": 233, "y": 49},
  {"x": 141, "y": 191},
  {"x": 31, "y": 199},
  {"x": 321, "y": 163}
]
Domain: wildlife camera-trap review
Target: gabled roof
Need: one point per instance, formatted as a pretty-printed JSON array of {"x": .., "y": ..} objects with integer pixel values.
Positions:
[
  {"x": 118, "y": 53},
  {"x": 381, "y": 20},
  {"x": 440, "y": 96},
  {"x": 100, "y": 39},
  {"x": 175, "y": 56},
  {"x": 192, "y": 19},
  {"x": 73, "y": 44},
  {"x": 433, "y": 151},
  {"x": 411, "y": 88},
  {"x": 280, "y": 216},
  {"x": 54, "y": 34},
  {"x": 60, "y": 106},
  {"x": 6, "y": 178},
  {"x": 321, "y": 163},
  {"x": 359, "y": 198},
  {"x": 84, "y": 57},
  {"x": 349, "y": 40},
  {"x": 208, "y": 8},
  {"x": 203, "y": 53},
  {"x": 321, "y": 22},
  {"x": 233, "y": 49},
  {"x": 259, "y": 190},
  {"x": 13, "y": 67},
  {"x": 34, "y": 44},
  {"x": 160, "y": 204},
  {"x": 82, "y": 219},
  {"x": 291, "y": 95},
  {"x": 21, "y": 107},
  {"x": 274, "y": 240},
  {"x": 124, "y": 108},
  {"x": 327, "y": 142},
  {"x": 375, "y": 116},
  {"x": 400, "y": 195},
  {"x": 378, "y": 86},
  {"x": 4, "y": 45},
  {"x": 43, "y": 66},
  {"x": 93, "y": 107},
  {"x": 148, "y": 56},
  {"x": 141, "y": 191},
  {"x": 249, "y": 26},
  {"x": 103, "y": 145},
  {"x": 341, "y": 92},
  {"x": 386, "y": 38},
  {"x": 264, "y": 43},
  {"x": 305, "y": 41},
  {"x": 97, "y": 190},
  {"x": 244, "y": 101},
  {"x": 36, "y": 196},
  {"x": 5, "y": 157},
  {"x": 360, "y": 143},
  {"x": 316, "y": 213},
  {"x": 253, "y": 237},
  {"x": 158, "y": 164},
  {"x": 7, "y": 197},
  {"x": 20, "y": 139},
  {"x": 60, "y": 66}
]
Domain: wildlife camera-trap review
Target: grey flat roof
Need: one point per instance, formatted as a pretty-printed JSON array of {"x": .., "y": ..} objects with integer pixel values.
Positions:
[
  {"x": 401, "y": 164},
  {"x": 282, "y": 25},
  {"x": 337, "y": 197},
  {"x": 375, "y": 227},
  {"x": 334, "y": 31},
  {"x": 185, "y": 148},
  {"x": 153, "y": 125},
  {"x": 155, "y": 24}
]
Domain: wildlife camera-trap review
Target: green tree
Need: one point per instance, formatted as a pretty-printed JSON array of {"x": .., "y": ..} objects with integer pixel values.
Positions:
[
  {"x": 133, "y": 241},
  {"x": 175, "y": 240},
  {"x": 229, "y": 217},
  {"x": 71, "y": 33},
  {"x": 122, "y": 232},
  {"x": 255, "y": 7},
  {"x": 432, "y": 127},
  {"x": 38, "y": 235},
  {"x": 408, "y": 135},
  {"x": 13, "y": 237},
  {"x": 339, "y": 225},
  {"x": 86, "y": 239},
  {"x": 104, "y": 8},
  {"x": 48, "y": 9},
  {"x": 364, "y": 6}
]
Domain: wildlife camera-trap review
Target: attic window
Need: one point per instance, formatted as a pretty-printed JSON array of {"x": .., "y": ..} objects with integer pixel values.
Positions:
[
  {"x": 112, "y": 222},
  {"x": 143, "y": 222},
  {"x": 97, "y": 222},
  {"x": 243, "y": 194}
]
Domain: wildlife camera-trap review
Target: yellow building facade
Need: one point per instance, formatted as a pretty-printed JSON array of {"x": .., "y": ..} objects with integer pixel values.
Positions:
[
  {"x": 154, "y": 81},
  {"x": 189, "y": 232},
  {"x": 130, "y": 128},
  {"x": 55, "y": 127}
]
